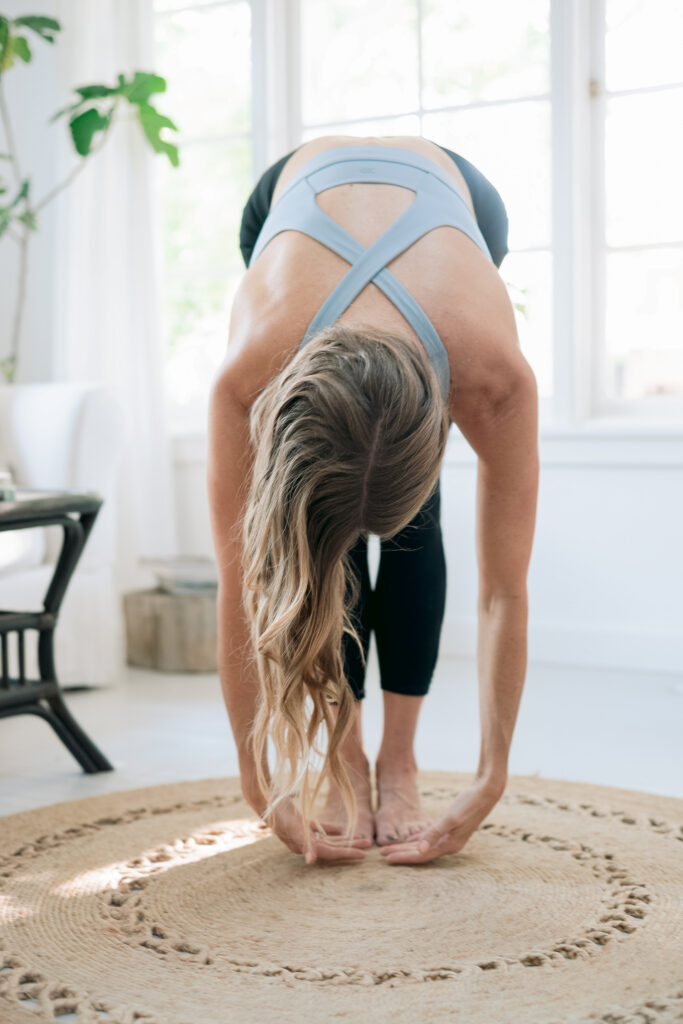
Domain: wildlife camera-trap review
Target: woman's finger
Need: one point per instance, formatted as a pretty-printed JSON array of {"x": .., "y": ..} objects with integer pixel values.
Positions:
[
  {"x": 344, "y": 839},
  {"x": 401, "y": 847},
  {"x": 323, "y": 826},
  {"x": 331, "y": 830},
  {"x": 412, "y": 856},
  {"x": 411, "y": 852},
  {"x": 433, "y": 836},
  {"x": 329, "y": 851}
]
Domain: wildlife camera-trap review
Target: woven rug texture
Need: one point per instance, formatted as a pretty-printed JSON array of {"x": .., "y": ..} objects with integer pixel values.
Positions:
[{"x": 172, "y": 905}]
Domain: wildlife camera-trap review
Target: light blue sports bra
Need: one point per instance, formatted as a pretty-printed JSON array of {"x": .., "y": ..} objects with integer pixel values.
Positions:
[{"x": 437, "y": 202}]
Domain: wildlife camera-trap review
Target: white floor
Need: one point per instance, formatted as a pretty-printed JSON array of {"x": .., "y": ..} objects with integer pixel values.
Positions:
[{"x": 614, "y": 728}]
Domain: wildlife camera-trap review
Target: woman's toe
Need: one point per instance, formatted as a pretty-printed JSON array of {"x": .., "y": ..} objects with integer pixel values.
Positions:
[
  {"x": 387, "y": 837},
  {"x": 407, "y": 829}
]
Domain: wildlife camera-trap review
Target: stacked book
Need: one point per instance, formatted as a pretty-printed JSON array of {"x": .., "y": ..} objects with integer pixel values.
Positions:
[{"x": 184, "y": 574}]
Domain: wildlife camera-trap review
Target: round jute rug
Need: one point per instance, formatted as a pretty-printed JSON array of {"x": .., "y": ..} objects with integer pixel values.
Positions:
[{"x": 171, "y": 905}]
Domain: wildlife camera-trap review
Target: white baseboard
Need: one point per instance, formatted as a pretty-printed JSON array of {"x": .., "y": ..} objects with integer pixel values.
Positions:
[{"x": 635, "y": 650}]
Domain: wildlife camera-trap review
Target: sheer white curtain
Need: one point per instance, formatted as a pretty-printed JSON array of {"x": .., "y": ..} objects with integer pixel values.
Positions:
[{"x": 108, "y": 318}]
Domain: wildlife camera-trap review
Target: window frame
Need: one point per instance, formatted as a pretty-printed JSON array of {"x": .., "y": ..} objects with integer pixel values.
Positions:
[
  {"x": 655, "y": 411},
  {"x": 579, "y": 404}
]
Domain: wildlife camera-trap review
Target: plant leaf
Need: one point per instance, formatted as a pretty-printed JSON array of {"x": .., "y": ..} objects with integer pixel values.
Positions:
[
  {"x": 65, "y": 110},
  {"x": 6, "y": 59},
  {"x": 86, "y": 92},
  {"x": 21, "y": 49},
  {"x": 8, "y": 366},
  {"x": 152, "y": 122},
  {"x": 91, "y": 92},
  {"x": 21, "y": 194},
  {"x": 84, "y": 126},
  {"x": 141, "y": 86},
  {"x": 29, "y": 219},
  {"x": 44, "y": 27}
]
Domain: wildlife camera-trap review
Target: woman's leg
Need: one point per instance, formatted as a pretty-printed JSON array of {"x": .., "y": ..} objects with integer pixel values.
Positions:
[
  {"x": 353, "y": 663},
  {"x": 353, "y": 753},
  {"x": 408, "y": 609},
  {"x": 410, "y": 601}
]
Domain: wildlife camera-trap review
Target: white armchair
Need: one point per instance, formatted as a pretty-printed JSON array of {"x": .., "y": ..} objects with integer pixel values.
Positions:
[{"x": 65, "y": 436}]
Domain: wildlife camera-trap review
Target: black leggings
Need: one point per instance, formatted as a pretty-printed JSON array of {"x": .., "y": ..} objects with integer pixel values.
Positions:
[{"x": 406, "y": 608}]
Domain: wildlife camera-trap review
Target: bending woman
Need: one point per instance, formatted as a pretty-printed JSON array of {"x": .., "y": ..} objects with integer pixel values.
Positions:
[{"x": 328, "y": 422}]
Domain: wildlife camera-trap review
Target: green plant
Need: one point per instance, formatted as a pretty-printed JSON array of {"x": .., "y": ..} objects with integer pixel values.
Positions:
[
  {"x": 518, "y": 297},
  {"x": 90, "y": 119}
]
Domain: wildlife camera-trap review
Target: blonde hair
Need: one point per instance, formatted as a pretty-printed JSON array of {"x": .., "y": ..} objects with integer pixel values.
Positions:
[{"x": 348, "y": 439}]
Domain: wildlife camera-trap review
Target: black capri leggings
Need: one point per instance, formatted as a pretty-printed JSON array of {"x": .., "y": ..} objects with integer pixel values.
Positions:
[
  {"x": 405, "y": 609},
  {"x": 407, "y": 606}
]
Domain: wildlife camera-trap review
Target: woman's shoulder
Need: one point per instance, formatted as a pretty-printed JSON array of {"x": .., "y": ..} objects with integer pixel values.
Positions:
[{"x": 260, "y": 340}]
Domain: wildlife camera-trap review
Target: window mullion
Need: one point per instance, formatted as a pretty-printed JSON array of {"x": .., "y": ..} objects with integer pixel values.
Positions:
[
  {"x": 420, "y": 70},
  {"x": 571, "y": 210},
  {"x": 281, "y": 43},
  {"x": 259, "y": 87},
  {"x": 598, "y": 205}
]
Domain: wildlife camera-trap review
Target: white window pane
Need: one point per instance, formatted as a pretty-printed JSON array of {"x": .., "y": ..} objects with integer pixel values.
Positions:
[
  {"x": 644, "y": 323},
  {"x": 643, "y": 43},
  {"x": 644, "y": 168},
  {"x": 202, "y": 203},
  {"x": 484, "y": 50},
  {"x": 174, "y": 5},
  {"x": 197, "y": 315},
  {"x": 528, "y": 276},
  {"x": 384, "y": 128},
  {"x": 358, "y": 59},
  {"x": 511, "y": 146},
  {"x": 205, "y": 56}
]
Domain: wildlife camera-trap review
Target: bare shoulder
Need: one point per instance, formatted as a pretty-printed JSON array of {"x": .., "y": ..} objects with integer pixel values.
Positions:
[
  {"x": 260, "y": 340},
  {"x": 478, "y": 329}
]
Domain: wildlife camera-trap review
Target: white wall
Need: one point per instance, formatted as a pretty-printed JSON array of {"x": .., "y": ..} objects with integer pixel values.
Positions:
[
  {"x": 607, "y": 563},
  {"x": 32, "y": 98}
]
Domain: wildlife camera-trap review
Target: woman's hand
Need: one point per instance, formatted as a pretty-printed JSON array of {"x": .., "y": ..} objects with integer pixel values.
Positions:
[
  {"x": 288, "y": 825},
  {"x": 450, "y": 833}
]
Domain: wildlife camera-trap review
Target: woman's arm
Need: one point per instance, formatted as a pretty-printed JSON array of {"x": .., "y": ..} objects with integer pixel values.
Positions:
[
  {"x": 228, "y": 472},
  {"x": 506, "y": 442},
  {"x": 503, "y": 433},
  {"x": 228, "y": 477}
]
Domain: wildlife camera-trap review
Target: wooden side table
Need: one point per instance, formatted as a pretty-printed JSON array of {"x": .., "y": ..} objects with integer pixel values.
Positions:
[{"x": 76, "y": 514}]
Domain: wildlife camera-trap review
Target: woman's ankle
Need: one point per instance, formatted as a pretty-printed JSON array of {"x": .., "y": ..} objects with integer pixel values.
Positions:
[{"x": 396, "y": 763}]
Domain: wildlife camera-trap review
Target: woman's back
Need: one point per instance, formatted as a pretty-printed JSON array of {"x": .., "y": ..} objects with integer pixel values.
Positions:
[{"x": 451, "y": 279}]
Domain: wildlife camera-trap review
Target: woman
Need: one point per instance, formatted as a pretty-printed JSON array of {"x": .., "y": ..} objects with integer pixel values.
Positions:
[{"x": 328, "y": 421}]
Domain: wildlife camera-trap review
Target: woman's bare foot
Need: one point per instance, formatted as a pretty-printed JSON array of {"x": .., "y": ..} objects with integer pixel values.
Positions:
[
  {"x": 333, "y": 812},
  {"x": 399, "y": 812}
]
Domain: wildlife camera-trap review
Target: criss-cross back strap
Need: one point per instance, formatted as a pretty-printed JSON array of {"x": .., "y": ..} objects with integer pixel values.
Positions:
[{"x": 437, "y": 202}]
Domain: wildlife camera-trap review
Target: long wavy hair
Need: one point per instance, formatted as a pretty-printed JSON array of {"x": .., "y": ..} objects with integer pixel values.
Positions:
[{"x": 347, "y": 439}]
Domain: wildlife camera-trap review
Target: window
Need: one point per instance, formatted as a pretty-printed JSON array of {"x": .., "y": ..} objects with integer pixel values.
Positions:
[
  {"x": 641, "y": 105},
  {"x": 473, "y": 76},
  {"x": 571, "y": 109},
  {"x": 203, "y": 49}
]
